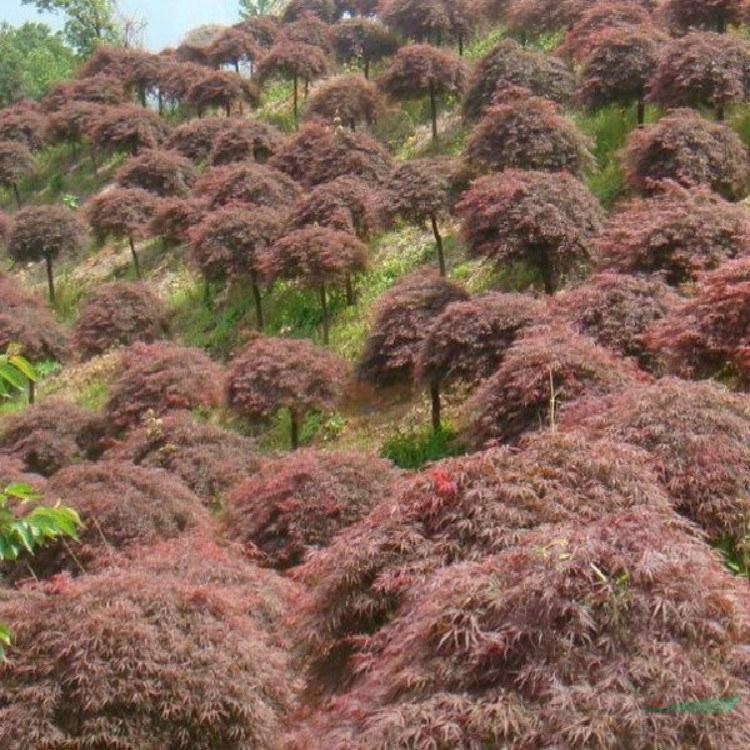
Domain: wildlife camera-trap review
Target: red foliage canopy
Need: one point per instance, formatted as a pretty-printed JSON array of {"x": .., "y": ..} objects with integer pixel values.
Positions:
[
  {"x": 121, "y": 212},
  {"x": 234, "y": 46},
  {"x": 100, "y": 89},
  {"x": 460, "y": 509},
  {"x": 175, "y": 217},
  {"x": 522, "y": 131},
  {"x": 245, "y": 140},
  {"x": 73, "y": 121},
  {"x": 24, "y": 125},
  {"x": 420, "y": 69},
  {"x": 401, "y": 322},
  {"x": 419, "y": 189},
  {"x": 41, "y": 232},
  {"x": 127, "y": 128},
  {"x": 698, "y": 435},
  {"x": 510, "y": 64},
  {"x": 16, "y": 162},
  {"x": 219, "y": 88},
  {"x": 293, "y": 60},
  {"x": 364, "y": 39},
  {"x": 686, "y": 148},
  {"x": 245, "y": 182},
  {"x": 347, "y": 99},
  {"x": 119, "y": 314},
  {"x": 158, "y": 171},
  {"x": 431, "y": 20},
  {"x": 677, "y": 233},
  {"x": 544, "y": 370},
  {"x": 161, "y": 377},
  {"x": 711, "y": 14},
  {"x": 295, "y": 10},
  {"x": 196, "y": 138},
  {"x": 547, "y": 220},
  {"x": 296, "y": 504}
]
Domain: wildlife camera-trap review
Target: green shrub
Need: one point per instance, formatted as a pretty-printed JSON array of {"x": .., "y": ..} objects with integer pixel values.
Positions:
[{"x": 413, "y": 449}]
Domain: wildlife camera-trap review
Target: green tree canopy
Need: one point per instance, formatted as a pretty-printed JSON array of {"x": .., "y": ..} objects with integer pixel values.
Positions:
[{"x": 250, "y": 8}]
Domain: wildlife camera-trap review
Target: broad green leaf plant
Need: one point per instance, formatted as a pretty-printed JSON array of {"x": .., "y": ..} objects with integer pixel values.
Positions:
[{"x": 16, "y": 374}]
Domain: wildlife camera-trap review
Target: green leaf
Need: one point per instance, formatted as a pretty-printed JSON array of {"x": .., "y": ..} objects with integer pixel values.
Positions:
[
  {"x": 22, "y": 364},
  {"x": 12, "y": 376},
  {"x": 20, "y": 491}
]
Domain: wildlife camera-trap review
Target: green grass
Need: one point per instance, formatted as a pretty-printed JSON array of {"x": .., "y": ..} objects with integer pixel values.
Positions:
[{"x": 413, "y": 449}]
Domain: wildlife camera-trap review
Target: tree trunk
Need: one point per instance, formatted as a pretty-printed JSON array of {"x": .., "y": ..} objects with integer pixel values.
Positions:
[
  {"x": 50, "y": 279},
  {"x": 142, "y": 95},
  {"x": 435, "y": 398},
  {"x": 17, "y": 194},
  {"x": 460, "y": 45},
  {"x": 258, "y": 305},
  {"x": 32, "y": 392},
  {"x": 307, "y": 88},
  {"x": 207, "y": 293},
  {"x": 350, "y": 298},
  {"x": 237, "y": 66},
  {"x": 439, "y": 243},
  {"x": 433, "y": 110},
  {"x": 324, "y": 305},
  {"x": 296, "y": 102},
  {"x": 720, "y": 113},
  {"x": 136, "y": 263},
  {"x": 548, "y": 276},
  {"x": 161, "y": 104},
  {"x": 228, "y": 109},
  {"x": 641, "y": 113},
  {"x": 353, "y": 125},
  {"x": 721, "y": 24},
  {"x": 294, "y": 430},
  {"x": 367, "y": 68}
]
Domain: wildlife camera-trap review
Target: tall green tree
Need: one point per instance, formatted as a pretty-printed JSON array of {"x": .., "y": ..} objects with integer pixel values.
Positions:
[
  {"x": 249, "y": 8},
  {"x": 88, "y": 23},
  {"x": 32, "y": 58}
]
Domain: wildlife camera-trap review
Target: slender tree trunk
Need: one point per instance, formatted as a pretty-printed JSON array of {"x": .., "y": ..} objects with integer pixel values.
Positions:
[
  {"x": 32, "y": 391},
  {"x": 207, "y": 293},
  {"x": 17, "y": 194},
  {"x": 50, "y": 279},
  {"x": 460, "y": 45},
  {"x": 259, "y": 323},
  {"x": 367, "y": 68},
  {"x": 439, "y": 243},
  {"x": 721, "y": 24},
  {"x": 436, "y": 407},
  {"x": 307, "y": 88},
  {"x": 142, "y": 95},
  {"x": 296, "y": 102},
  {"x": 720, "y": 112},
  {"x": 433, "y": 110},
  {"x": 161, "y": 103},
  {"x": 236, "y": 66},
  {"x": 353, "y": 125},
  {"x": 350, "y": 298},
  {"x": 294, "y": 430},
  {"x": 548, "y": 278},
  {"x": 641, "y": 113},
  {"x": 136, "y": 263},
  {"x": 324, "y": 305}
]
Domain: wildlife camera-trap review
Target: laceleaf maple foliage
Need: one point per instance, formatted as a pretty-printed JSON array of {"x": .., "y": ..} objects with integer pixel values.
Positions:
[
  {"x": 105, "y": 90},
  {"x": 12, "y": 471},
  {"x": 206, "y": 458},
  {"x": 521, "y": 131},
  {"x": 697, "y": 435},
  {"x": 229, "y": 243},
  {"x": 72, "y": 122},
  {"x": 127, "y": 128},
  {"x": 50, "y": 435},
  {"x": 321, "y": 153},
  {"x": 317, "y": 258},
  {"x": 119, "y": 314},
  {"x": 350, "y": 100},
  {"x": 458, "y": 510},
  {"x": 295, "y": 505},
  {"x": 121, "y": 506},
  {"x": 568, "y": 638},
  {"x": 616, "y": 311},
  {"x": 159, "y": 378},
  {"x": 309, "y": 30},
  {"x": 619, "y": 65},
  {"x": 702, "y": 69},
  {"x": 362, "y": 40},
  {"x": 687, "y": 148},
  {"x": 223, "y": 90},
  {"x": 597, "y": 21},
  {"x": 263, "y": 28},
  {"x": 45, "y": 233},
  {"x": 707, "y": 334},
  {"x": 676, "y": 233},
  {"x": 421, "y": 70},
  {"x": 401, "y": 321},
  {"x": 122, "y": 213},
  {"x": 431, "y": 21},
  {"x": 235, "y": 47},
  {"x": 271, "y": 374},
  {"x": 25, "y": 125},
  {"x": 324, "y": 10},
  {"x": 4, "y": 227},
  {"x": 709, "y": 14},
  {"x": 468, "y": 340},
  {"x": 510, "y": 64},
  {"x": 546, "y": 220},
  {"x": 544, "y": 370},
  {"x": 175, "y": 217},
  {"x": 248, "y": 183},
  {"x": 165, "y": 173},
  {"x": 176, "y": 79},
  {"x": 162, "y": 662},
  {"x": 245, "y": 140},
  {"x": 16, "y": 162},
  {"x": 196, "y": 138}
]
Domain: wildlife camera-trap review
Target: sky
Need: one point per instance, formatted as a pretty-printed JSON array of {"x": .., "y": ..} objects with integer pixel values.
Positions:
[{"x": 168, "y": 20}]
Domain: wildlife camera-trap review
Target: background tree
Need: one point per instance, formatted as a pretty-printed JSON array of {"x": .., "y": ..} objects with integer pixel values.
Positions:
[
  {"x": 295, "y": 10},
  {"x": 521, "y": 131},
  {"x": 174, "y": 217},
  {"x": 99, "y": 89},
  {"x": 676, "y": 233},
  {"x": 195, "y": 138},
  {"x": 402, "y": 318},
  {"x": 88, "y": 23},
  {"x": 296, "y": 504},
  {"x": 24, "y": 123},
  {"x": 234, "y": 47},
  {"x": 253, "y": 8},
  {"x": 164, "y": 173},
  {"x": 228, "y": 244},
  {"x": 221, "y": 89},
  {"x": 16, "y": 162},
  {"x": 245, "y": 182},
  {"x": 431, "y": 21},
  {"x": 175, "y": 80},
  {"x": 159, "y": 378},
  {"x": 296, "y": 62},
  {"x": 246, "y": 140},
  {"x": 419, "y": 191},
  {"x": 618, "y": 67},
  {"x": 309, "y": 30},
  {"x": 317, "y": 258},
  {"x": 702, "y": 69},
  {"x": 32, "y": 58},
  {"x": 541, "y": 373},
  {"x": 546, "y": 220},
  {"x": 686, "y": 148},
  {"x": 45, "y": 233},
  {"x": 711, "y": 14},
  {"x": 509, "y": 64},
  {"x": 119, "y": 314},
  {"x": 127, "y": 128},
  {"x": 347, "y": 99},
  {"x": 122, "y": 213},
  {"x": 320, "y": 153},
  {"x": 362, "y": 40},
  {"x": 421, "y": 70},
  {"x": 292, "y": 374},
  {"x": 72, "y": 123},
  {"x": 468, "y": 340},
  {"x": 616, "y": 310}
]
